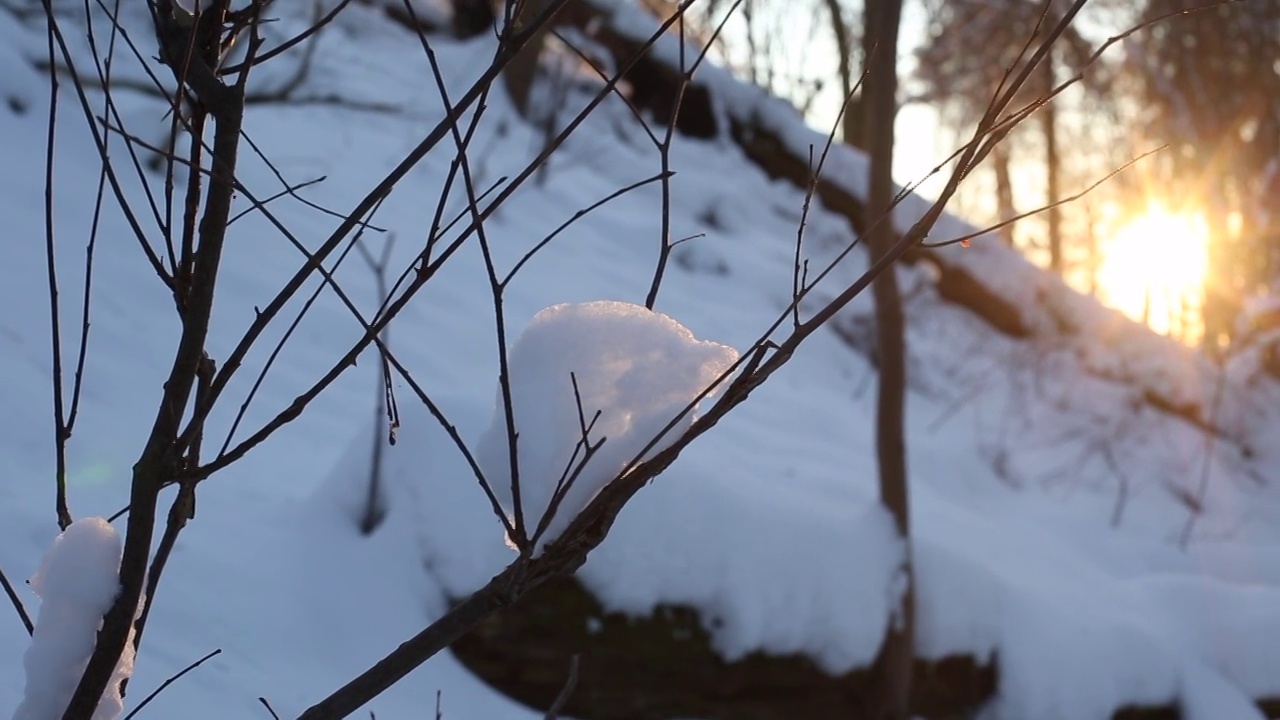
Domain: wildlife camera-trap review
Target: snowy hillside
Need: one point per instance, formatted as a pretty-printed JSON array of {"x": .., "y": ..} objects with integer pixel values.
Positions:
[{"x": 1095, "y": 510}]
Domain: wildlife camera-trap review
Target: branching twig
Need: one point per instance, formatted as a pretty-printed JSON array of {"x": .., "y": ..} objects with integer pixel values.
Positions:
[
  {"x": 574, "y": 467},
  {"x": 664, "y": 155},
  {"x": 100, "y": 144},
  {"x": 664, "y": 150},
  {"x": 423, "y": 275},
  {"x": 288, "y": 44},
  {"x": 800, "y": 266},
  {"x": 291, "y": 189},
  {"x": 496, "y": 288}
]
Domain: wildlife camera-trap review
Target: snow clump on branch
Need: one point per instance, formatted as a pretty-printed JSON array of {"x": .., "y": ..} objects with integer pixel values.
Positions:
[
  {"x": 77, "y": 582},
  {"x": 636, "y": 370}
]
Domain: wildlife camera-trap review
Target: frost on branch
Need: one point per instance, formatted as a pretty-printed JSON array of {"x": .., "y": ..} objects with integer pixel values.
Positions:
[
  {"x": 638, "y": 369},
  {"x": 77, "y": 582}
]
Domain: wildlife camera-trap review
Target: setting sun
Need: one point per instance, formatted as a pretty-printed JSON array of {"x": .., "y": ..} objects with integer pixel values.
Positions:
[{"x": 1153, "y": 270}]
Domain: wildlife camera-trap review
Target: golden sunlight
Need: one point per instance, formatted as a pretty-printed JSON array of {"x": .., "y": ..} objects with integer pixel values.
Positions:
[{"x": 1153, "y": 270}]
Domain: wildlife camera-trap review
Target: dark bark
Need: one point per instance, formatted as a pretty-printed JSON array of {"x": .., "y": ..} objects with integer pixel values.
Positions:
[
  {"x": 159, "y": 463},
  {"x": 892, "y": 669}
]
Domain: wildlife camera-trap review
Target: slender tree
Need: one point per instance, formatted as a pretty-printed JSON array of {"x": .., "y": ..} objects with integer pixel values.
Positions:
[
  {"x": 970, "y": 47},
  {"x": 879, "y": 110}
]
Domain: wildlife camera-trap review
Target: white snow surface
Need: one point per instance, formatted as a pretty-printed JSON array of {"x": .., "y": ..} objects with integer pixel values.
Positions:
[
  {"x": 77, "y": 582},
  {"x": 1049, "y": 475},
  {"x": 620, "y": 373}
]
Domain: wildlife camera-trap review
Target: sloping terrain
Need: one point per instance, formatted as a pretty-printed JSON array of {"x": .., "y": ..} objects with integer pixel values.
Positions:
[{"x": 1057, "y": 461}]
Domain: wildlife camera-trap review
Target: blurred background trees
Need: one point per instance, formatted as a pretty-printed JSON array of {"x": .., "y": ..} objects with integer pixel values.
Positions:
[
  {"x": 1210, "y": 87},
  {"x": 1184, "y": 240}
]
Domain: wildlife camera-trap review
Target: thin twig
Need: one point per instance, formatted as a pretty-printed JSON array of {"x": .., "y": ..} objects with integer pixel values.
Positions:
[
  {"x": 291, "y": 189},
  {"x": 55, "y": 325},
  {"x": 288, "y": 333},
  {"x": 520, "y": 535},
  {"x": 82, "y": 355},
  {"x": 664, "y": 157},
  {"x": 17, "y": 603},
  {"x": 570, "y": 684},
  {"x": 664, "y": 152},
  {"x": 100, "y": 144},
  {"x": 267, "y": 705},
  {"x": 800, "y": 266},
  {"x": 577, "y": 216},
  {"x": 106, "y": 81},
  {"x": 964, "y": 239},
  {"x": 288, "y": 44},
  {"x": 573, "y": 468},
  {"x": 171, "y": 681}
]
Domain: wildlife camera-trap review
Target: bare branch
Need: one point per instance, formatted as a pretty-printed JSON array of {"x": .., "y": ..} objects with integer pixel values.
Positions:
[
  {"x": 964, "y": 239},
  {"x": 577, "y": 216},
  {"x": 100, "y": 144},
  {"x": 55, "y": 330},
  {"x": 171, "y": 681},
  {"x": 289, "y": 190},
  {"x": 574, "y": 467}
]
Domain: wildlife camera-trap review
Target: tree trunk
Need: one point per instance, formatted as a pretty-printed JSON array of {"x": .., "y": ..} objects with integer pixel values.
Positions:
[
  {"x": 1005, "y": 207},
  {"x": 1049, "y": 126},
  {"x": 851, "y": 124},
  {"x": 893, "y": 666}
]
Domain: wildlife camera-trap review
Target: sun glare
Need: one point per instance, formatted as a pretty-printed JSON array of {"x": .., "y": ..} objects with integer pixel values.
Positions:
[{"x": 1153, "y": 270}]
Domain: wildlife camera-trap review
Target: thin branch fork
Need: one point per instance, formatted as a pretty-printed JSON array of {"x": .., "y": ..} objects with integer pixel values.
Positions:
[
  {"x": 158, "y": 462},
  {"x": 518, "y": 533},
  {"x": 424, "y": 274},
  {"x": 505, "y": 54}
]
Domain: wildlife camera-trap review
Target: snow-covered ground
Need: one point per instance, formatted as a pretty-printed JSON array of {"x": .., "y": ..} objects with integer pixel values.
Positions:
[{"x": 1048, "y": 492}]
